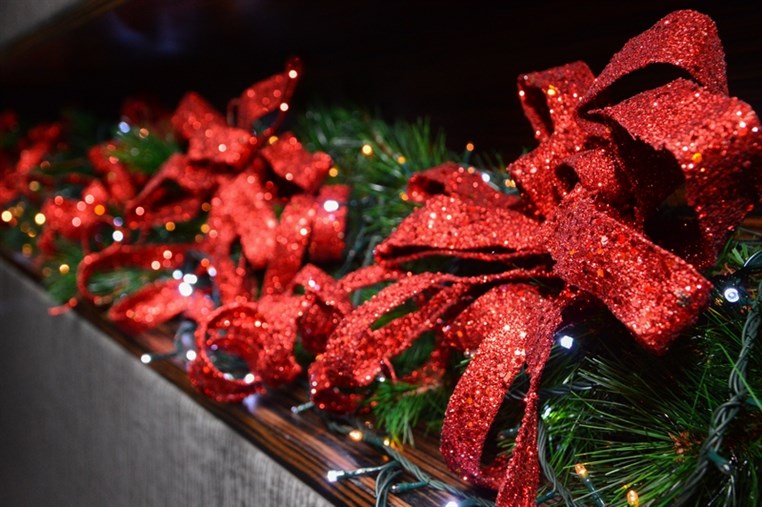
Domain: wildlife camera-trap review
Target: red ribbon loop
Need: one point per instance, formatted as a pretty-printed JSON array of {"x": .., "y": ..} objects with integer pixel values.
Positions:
[
  {"x": 522, "y": 334},
  {"x": 15, "y": 168},
  {"x": 155, "y": 303},
  {"x": 262, "y": 334},
  {"x": 267, "y": 96}
]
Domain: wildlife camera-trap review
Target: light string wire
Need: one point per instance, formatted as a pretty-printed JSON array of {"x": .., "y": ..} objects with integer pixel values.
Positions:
[
  {"x": 388, "y": 473},
  {"x": 726, "y": 413}
]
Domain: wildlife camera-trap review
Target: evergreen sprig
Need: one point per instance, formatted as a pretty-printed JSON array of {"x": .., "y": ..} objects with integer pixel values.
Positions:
[
  {"x": 141, "y": 149},
  {"x": 376, "y": 159}
]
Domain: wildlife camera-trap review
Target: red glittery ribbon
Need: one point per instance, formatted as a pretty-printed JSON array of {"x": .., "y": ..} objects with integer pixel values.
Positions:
[
  {"x": 81, "y": 219},
  {"x": 263, "y": 332},
  {"x": 243, "y": 172},
  {"x": 17, "y": 165},
  {"x": 218, "y": 148},
  {"x": 155, "y": 303},
  {"x": 592, "y": 218}
]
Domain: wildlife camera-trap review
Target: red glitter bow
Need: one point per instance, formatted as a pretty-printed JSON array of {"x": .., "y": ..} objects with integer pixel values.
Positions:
[
  {"x": 240, "y": 173},
  {"x": 17, "y": 165},
  {"x": 263, "y": 332},
  {"x": 79, "y": 219},
  {"x": 592, "y": 219},
  {"x": 217, "y": 149}
]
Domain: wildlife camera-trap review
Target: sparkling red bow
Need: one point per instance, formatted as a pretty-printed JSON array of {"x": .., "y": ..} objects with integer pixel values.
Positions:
[
  {"x": 242, "y": 173},
  {"x": 592, "y": 219},
  {"x": 17, "y": 164}
]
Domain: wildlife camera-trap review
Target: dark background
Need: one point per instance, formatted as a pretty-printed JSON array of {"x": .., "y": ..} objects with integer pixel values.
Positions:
[{"x": 455, "y": 62}]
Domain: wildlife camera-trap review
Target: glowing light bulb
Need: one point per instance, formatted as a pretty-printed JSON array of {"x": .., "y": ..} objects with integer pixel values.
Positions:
[
  {"x": 470, "y": 146},
  {"x": 117, "y": 236},
  {"x": 732, "y": 295},
  {"x": 333, "y": 475},
  {"x": 191, "y": 355},
  {"x": 6, "y": 216},
  {"x": 292, "y": 74},
  {"x": 633, "y": 499},
  {"x": 451, "y": 503},
  {"x": 367, "y": 150},
  {"x": 185, "y": 289},
  {"x": 145, "y": 358},
  {"x": 39, "y": 219},
  {"x": 330, "y": 205},
  {"x": 581, "y": 471},
  {"x": 356, "y": 435},
  {"x": 63, "y": 269},
  {"x": 566, "y": 341}
]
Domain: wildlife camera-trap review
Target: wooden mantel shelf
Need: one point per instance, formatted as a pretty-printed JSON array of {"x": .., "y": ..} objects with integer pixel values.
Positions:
[{"x": 84, "y": 422}]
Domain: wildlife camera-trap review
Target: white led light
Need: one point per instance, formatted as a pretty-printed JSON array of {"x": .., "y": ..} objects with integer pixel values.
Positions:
[
  {"x": 249, "y": 378},
  {"x": 190, "y": 355},
  {"x": 145, "y": 358},
  {"x": 731, "y": 295},
  {"x": 117, "y": 236},
  {"x": 124, "y": 127},
  {"x": 330, "y": 205},
  {"x": 485, "y": 177},
  {"x": 211, "y": 271},
  {"x": 177, "y": 274},
  {"x": 185, "y": 289},
  {"x": 333, "y": 475},
  {"x": 451, "y": 503},
  {"x": 566, "y": 341},
  {"x": 190, "y": 278}
]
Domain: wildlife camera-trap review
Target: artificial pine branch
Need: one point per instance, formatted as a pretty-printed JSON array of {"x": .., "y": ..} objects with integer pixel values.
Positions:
[{"x": 376, "y": 159}]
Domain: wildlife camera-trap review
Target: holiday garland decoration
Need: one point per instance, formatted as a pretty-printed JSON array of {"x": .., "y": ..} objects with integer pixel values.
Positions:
[{"x": 622, "y": 204}]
